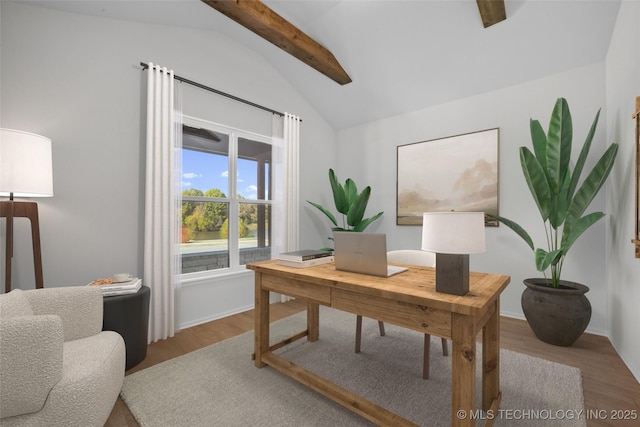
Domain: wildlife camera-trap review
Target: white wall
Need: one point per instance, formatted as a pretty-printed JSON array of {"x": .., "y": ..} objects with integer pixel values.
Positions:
[
  {"x": 373, "y": 148},
  {"x": 623, "y": 269},
  {"x": 76, "y": 80}
]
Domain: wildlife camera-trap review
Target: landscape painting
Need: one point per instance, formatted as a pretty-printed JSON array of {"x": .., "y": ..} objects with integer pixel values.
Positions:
[{"x": 456, "y": 173}]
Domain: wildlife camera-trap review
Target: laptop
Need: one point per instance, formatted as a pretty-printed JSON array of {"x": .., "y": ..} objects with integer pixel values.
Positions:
[{"x": 364, "y": 253}]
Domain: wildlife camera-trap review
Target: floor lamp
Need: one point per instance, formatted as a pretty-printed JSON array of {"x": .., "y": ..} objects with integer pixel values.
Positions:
[{"x": 25, "y": 171}]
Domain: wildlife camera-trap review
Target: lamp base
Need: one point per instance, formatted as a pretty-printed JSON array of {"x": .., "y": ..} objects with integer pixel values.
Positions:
[
  {"x": 452, "y": 273},
  {"x": 14, "y": 209}
]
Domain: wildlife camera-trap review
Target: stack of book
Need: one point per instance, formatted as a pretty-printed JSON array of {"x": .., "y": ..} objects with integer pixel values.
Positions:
[
  {"x": 305, "y": 258},
  {"x": 110, "y": 287}
]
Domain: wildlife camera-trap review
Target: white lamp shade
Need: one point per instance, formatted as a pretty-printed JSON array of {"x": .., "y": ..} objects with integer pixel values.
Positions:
[
  {"x": 25, "y": 164},
  {"x": 453, "y": 232}
]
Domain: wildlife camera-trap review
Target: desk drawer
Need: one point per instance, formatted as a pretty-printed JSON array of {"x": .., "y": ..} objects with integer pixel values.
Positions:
[
  {"x": 297, "y": 288},
  {"x": 412, "y": 316}
]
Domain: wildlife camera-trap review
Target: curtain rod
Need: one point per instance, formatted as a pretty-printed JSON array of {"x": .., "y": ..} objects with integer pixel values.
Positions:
[{"x": 210, "y": 89}]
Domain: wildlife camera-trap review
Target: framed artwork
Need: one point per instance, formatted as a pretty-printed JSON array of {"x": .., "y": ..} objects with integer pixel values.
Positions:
[{"x": 457, "y": 173}]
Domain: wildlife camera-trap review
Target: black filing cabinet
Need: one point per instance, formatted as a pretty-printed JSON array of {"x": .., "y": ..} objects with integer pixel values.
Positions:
[{"x": 128, "y": 315}]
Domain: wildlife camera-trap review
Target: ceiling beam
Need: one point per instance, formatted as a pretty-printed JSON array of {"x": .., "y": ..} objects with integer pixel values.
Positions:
[
  {"x": 259, "y": 18},
  {"x": 491, "y": 11}
]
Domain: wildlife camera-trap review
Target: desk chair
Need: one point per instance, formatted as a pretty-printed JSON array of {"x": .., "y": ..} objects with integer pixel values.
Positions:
[{"x": 415, "y": 257}]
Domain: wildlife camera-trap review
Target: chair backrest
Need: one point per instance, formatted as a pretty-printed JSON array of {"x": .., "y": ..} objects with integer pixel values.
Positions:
[{"x": 412, "y": 256}]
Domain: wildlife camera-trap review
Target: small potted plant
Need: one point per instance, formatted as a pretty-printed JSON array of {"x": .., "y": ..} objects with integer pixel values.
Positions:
[
  {"x": 558, "y": 310},
  {"x": 350, "y": 204}
]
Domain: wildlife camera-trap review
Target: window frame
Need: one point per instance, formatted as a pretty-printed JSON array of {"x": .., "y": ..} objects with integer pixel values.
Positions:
[{"x": 234, "y": 135}]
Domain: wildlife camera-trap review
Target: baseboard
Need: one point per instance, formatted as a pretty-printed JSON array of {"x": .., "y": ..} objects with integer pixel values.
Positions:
[
  {"x": 512, "y": 315},
  {"x": 588, "y": 331},
  {"x": 217, "y": 316},
  {"x": 224, "y": 314}
]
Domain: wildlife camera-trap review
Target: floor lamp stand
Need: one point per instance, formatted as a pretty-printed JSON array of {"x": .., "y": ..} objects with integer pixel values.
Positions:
[{"x": 11, "y": 209}]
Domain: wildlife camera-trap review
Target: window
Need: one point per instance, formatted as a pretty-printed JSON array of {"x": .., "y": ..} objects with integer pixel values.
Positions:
[{"x": 226, "y": 197}]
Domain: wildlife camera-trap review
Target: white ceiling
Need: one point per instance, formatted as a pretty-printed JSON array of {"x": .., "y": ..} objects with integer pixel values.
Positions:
[{"x": 401, "y": 55}]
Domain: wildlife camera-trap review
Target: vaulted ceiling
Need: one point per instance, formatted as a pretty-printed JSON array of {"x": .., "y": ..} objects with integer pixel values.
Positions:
[{"x": 401, "y": 55}]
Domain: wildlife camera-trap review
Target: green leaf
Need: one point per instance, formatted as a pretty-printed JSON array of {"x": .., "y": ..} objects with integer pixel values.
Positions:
[
  {"x": 560, "y": 204},
  {"x": 571, "y": 232},
  {"x": 592, "y": 184},
  {"x": 540, "y": 256},
  {"x": 545, "y": 259},
  {"x": 539, "y": 140},
  {"x": 582, "y": 158},
  {"x": 339, "y": 195},
  {"x": 537, "y": 181},
  {"x": 559, "y": 144},
  {"x": 351, "y": 192},
  {"x": 324, "y": 211},
  {"x": 515, "y": 227},
  {"x": 356, "y": 211},
  {"x": 365, "y": 222}
]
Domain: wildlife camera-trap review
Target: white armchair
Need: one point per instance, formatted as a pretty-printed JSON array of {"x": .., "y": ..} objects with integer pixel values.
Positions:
[{"x": 57, "y": 366}]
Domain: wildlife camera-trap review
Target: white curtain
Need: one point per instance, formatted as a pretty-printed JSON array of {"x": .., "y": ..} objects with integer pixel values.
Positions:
[
  {"x": 162, "y": 200},
  {"x": 286, "y": 137}
]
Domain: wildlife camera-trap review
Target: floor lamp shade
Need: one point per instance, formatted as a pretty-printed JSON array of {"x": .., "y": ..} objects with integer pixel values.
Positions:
[
  {"x": 453, "y": 236},
  {"x": 25, "y": 171},
  {"x": 25, "y": 164}
]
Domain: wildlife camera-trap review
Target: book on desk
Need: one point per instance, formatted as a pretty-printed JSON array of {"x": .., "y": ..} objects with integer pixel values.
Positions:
[
  {"x": 110, "y": 288},
  {"x": 307, "y": 263},
  {"x": 305, "y": 255}
]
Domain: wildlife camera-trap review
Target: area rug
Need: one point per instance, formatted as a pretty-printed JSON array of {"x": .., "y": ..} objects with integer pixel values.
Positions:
[{"x": 219, "y": 385}]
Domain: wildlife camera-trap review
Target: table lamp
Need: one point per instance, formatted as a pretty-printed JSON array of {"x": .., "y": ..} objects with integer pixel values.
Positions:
[
  {"x": 25, "y": 171},
  {"x": 453, "y": 236}
]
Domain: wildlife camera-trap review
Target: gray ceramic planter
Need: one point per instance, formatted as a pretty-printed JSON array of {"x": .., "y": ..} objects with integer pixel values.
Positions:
[{"x": 557, "y": 316}]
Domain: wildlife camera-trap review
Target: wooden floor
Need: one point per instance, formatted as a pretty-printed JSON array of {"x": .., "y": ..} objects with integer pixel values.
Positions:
[{"x": 610, "y": 389}]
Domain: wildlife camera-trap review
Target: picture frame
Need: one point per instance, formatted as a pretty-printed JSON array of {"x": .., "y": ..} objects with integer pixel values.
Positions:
[{"x": 454, "y": 173}]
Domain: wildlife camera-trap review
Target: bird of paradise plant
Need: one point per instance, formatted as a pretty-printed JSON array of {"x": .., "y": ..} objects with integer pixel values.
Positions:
[
  {"x": 350, "y": 204},
  {"x": 556, "y": 190}
]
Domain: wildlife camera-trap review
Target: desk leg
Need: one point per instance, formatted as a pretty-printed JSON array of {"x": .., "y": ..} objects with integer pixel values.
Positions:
[
  {"x": 261, "y": 322},
  {"x": 463, "y": 370},
  {"x": 491, "y": 361},
  {"x": 313, "y": 321}
]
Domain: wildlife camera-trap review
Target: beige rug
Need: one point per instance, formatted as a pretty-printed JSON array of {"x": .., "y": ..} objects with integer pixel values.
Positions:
[{"x": 219, "y": 386}]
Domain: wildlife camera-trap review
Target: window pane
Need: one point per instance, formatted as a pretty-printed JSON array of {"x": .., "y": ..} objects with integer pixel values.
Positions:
[
  {"x": 205, "y": 162},
  {"x": 205, "y": 241},
  {"x": 254, "y": 160},
  {"x": 254, "y": 231}
]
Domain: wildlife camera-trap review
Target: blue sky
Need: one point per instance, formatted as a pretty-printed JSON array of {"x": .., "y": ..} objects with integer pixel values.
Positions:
[{"x": 205, "y": 171}]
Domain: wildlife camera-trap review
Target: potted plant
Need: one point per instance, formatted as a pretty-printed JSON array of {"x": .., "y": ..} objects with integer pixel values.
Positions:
[
  {"x": 350, "y": 204},
  {"x": 558, "y": 310}
]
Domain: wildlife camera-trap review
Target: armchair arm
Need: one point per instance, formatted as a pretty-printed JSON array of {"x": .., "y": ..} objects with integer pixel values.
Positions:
[
  {"x": 30, "y": 362},
  {"x": 79, "y": 307}
]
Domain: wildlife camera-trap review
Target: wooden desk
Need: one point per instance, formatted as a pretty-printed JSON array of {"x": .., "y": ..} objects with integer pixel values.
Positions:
[{"x": 408, "y": 299}]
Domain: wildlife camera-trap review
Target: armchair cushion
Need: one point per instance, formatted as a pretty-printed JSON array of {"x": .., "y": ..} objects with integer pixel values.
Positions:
[
  {"x": 80, "y": 311},
  {"x": 15, "y": 303},
  {"x": 57, "y": 366},
  {"x": 29, "y": 376}
]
